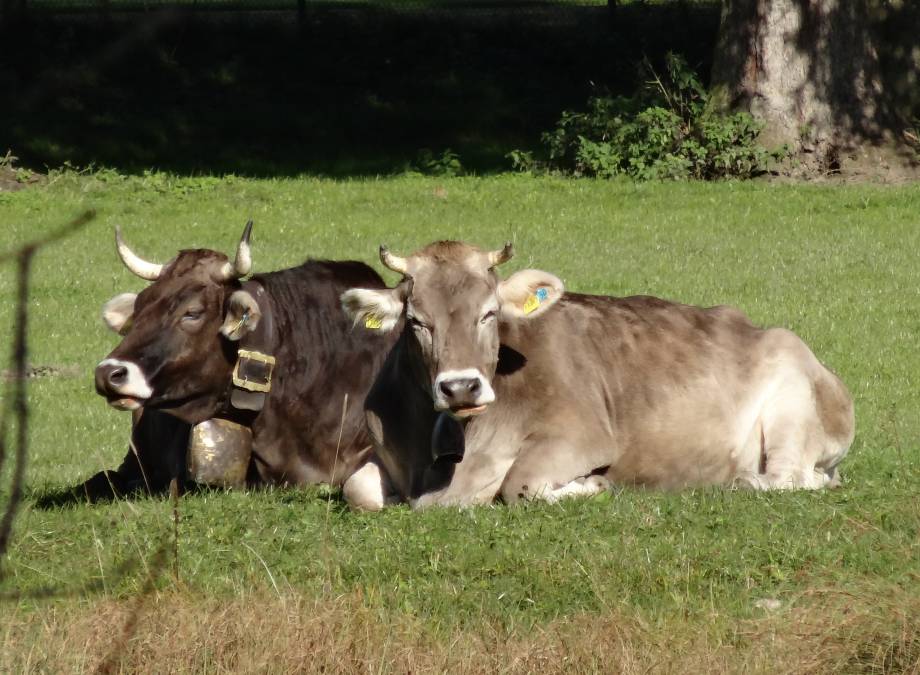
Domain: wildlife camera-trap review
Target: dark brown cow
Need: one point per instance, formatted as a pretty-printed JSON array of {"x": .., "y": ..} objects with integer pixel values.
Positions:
[
  {"x": 182, "y": 335},
  {"x": 563, "y": 394}
]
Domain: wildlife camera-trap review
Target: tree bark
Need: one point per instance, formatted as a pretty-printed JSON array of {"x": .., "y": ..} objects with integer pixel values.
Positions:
[{"x": 809, "y": 69}]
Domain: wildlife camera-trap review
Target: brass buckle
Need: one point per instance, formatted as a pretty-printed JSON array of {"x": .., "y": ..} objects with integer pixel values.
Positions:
[{"x": 249, "y": 385}]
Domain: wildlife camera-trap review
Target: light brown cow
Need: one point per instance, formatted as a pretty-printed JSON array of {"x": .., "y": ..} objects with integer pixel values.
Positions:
[{"x": 554, "y": 394}]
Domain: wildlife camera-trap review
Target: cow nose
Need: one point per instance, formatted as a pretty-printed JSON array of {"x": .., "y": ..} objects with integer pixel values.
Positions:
[
  {"x": 117, "y": 376},
  {"x": 110, "y": 377},
  {"x": 463, "y": 388}
]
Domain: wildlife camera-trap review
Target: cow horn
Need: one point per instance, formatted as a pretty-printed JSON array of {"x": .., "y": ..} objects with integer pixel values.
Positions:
[
  {"x": 145, "y": 270},
  {"x": 394, "y": 262},
  {"x": 501, "y": 256},
  {"x": 242, "y": 264}
]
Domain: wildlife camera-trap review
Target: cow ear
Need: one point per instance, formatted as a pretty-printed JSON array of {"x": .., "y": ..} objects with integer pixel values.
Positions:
[
  {"x": 242, "y": 317},
  {"x": 118, "y": 312},
  {"x": 529, "y": 293},
  {"x": 374, "y": 309}
]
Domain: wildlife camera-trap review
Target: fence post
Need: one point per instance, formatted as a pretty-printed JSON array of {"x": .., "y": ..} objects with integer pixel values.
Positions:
[{"x": 611, "y": 10}]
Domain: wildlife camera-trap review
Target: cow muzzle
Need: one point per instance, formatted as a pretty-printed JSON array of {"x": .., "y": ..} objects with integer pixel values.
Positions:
[
  {"x": 462, "y": 393},
  {"x": 122, "y": 383}
]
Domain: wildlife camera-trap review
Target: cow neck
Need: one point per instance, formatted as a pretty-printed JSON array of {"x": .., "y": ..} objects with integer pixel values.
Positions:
[
  {"x": 408, "y": 366},
  {"x": 251, "y": 381}
]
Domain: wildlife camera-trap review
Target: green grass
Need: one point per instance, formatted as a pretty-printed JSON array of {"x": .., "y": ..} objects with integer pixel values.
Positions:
[{"x": 836, "y": 264}]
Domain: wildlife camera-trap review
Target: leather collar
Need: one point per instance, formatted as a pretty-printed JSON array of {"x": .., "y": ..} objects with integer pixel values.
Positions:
[{"x": 251, "y": 381}]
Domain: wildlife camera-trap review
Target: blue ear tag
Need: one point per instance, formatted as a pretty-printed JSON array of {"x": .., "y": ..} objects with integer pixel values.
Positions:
[
  {"x": 533, "y": 301},
  {"x": 242, "y": 322}
]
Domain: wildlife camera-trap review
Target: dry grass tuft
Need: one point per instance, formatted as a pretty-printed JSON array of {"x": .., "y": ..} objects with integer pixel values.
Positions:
[{"x": 821, "y": 633}]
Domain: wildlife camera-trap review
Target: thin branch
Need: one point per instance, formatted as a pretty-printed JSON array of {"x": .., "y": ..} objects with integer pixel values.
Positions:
[
  {"x": 80, "y": 221},
  {"x": 18, "y": 403},
  {"x": 109, "y": 664},
  {"x": 174, "y": 495},
  {"x": 120, "y": 572}
]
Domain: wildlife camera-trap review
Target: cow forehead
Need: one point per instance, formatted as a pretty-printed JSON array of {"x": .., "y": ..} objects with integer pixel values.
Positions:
[
  {"x": 189, "y": 273},
  {"x": 195, "y": 263},
  {"x": 447, "y": 252},
  {"x": 451, "y": 287}
]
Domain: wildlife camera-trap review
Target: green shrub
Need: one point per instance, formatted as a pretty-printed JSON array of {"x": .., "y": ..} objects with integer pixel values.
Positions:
[
  {"x": 446, "y": 163},
  {"x": 664, "y": 131}
]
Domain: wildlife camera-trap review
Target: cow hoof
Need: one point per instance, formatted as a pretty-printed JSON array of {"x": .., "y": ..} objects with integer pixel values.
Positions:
[{"x": 597, "y": 484}]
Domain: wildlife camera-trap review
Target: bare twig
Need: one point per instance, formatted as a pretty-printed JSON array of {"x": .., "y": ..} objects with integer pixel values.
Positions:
[
  {"x": 338, "y": 443},
  {"x": 327, "y": 536},
  {"x": 656, "y": 80},
  {"x": 271, "y": 577},
  {"x": 19, "y": 405},
  {"x": 140, "y": 464},
  {"x": 27, "y": 250},
  {"x": 48, "y": 592},
  {"x": 110, "y": 663},
  {"x": 80, "y": 221},
  {"x": 174, "y": 494},
  {"x": 17, "y": 402}
]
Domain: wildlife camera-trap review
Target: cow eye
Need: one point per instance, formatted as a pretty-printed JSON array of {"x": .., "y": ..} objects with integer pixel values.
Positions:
[
  {"x": 418, "y": 325},
  {"x": 192, "y": 314},
  {"x": 488, "y": 316}
]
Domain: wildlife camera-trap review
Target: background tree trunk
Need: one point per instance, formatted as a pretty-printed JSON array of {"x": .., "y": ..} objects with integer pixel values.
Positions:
[{"x": 810, "y": 70}]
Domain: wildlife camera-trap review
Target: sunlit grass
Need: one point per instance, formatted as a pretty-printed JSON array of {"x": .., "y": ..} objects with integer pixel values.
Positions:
[{"x": 835, "y": 264}]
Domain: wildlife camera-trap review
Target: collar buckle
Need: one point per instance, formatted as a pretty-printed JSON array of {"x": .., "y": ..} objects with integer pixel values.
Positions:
[{"x": 253, "y": 371}]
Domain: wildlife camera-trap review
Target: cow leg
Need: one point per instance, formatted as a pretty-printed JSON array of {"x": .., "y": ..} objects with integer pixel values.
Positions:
[
  {"x": 796, "y": 450},
  {"x": 786, "y": 478},
  {"x": 552, "y": 491},
  {"x": 804, "y": 425},
  {"x": 580, "y": 487},
  {"x": 784, "y": 439},
  {"x": 369, "y": 488},
  {"x": 550, "y": 471},
  {"x": 156, "y": 455}
]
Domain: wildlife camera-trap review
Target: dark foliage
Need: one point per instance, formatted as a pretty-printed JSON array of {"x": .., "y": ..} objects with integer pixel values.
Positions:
[
  {"x": 665, "y": 130},
  {"x": 343, "y": 92}
]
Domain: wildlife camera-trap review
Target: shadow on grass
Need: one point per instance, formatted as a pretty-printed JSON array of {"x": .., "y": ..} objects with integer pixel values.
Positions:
[
  {"x": 94, "y": 492},
  {"x": 83, "y": 494},
  {"x": 340, "y": 92}
]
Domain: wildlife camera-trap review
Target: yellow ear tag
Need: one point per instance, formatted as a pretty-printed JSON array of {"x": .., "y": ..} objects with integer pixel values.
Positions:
[
  {"x": 534, "y": 299},
  {"x": 531, "y": 304},
  {"x": 373, "y": 322}
]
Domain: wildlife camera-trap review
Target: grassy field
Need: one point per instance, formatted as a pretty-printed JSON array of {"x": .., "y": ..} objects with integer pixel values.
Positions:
[{"x": 635, "y": 581}]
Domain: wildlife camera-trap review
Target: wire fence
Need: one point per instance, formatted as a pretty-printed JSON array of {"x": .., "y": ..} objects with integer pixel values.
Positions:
[
  {"x": 295, "y": 5},
  {"x": 25, "y": 6}
]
